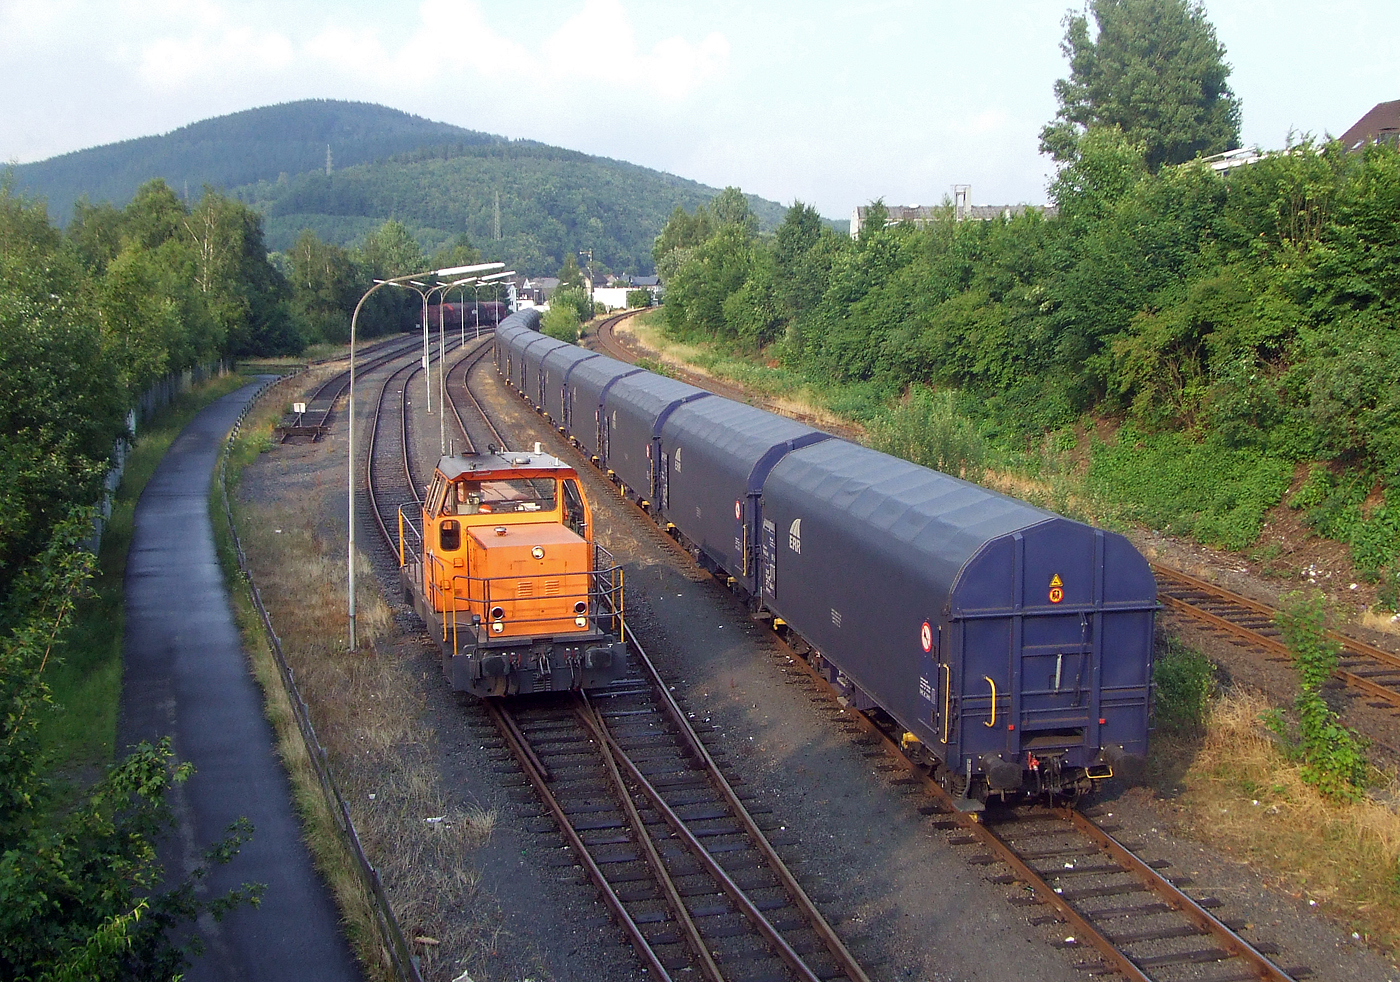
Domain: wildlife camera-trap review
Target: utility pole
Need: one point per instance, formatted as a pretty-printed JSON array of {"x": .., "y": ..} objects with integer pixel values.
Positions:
[
  {"x": 328, "y": 160},
  {"x": 496, "y": 227},
  {"x": 589, "y": 253}
]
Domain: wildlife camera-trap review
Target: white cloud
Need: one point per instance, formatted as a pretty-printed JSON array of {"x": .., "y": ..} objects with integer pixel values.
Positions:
[{"x": 213, "y": 53}]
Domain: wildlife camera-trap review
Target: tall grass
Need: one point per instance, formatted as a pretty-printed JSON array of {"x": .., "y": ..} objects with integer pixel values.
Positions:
[
  {"x": 927, "y": 428},
  {"x": 1246, "y": 795}
]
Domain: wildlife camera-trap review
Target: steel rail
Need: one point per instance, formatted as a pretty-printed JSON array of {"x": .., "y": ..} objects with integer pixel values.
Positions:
[
  {"x": 1084, "y": 929},
  {"x": 1175, "y": 898},
  {"x": 611, "y": 753},
  {"x": 844, "y": 959},
  {"x": 341, "y": 380},
  {"x": 516, "y": 742},
  {"x": 476, "y": 404},
  {"x": 371, "y": 449},
  {"x": 607, "y": 330},
  {"x": 1245, "y": 633},
  {"x": 682, "y": 831}
]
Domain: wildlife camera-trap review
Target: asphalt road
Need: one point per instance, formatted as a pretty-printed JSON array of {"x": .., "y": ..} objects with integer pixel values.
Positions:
[{"x": 186, "y": 676}]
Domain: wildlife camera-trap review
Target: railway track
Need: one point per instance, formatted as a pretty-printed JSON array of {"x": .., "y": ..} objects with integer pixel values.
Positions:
[
  {"x": 686, "y": 868},
  {"x": 685, "y": 865},
  {"x": 1136, "y": 920},
  {"x": 1364, "y": 667},
  {"x": 321, "y": 402}
]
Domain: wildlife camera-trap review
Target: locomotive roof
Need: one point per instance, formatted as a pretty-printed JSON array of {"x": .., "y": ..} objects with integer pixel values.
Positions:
[{"x": 457, "y": 465}]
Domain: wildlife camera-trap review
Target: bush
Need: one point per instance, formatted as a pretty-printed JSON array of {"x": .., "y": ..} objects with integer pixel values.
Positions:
[
  {"x": 639, "y": 298},
  {"x": 1185, "y": 681},
  {"x": 927, "y": 428},
  {"x": 1333, "y": 757},
  {"x": 1207, "y": 490},
  {"x": 561, "y": 322}
]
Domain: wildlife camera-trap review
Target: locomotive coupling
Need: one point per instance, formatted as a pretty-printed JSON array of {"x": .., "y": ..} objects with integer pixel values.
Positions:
[
  {"x": 599, "y": 657},
  {"x": 1002, "y": 775}
]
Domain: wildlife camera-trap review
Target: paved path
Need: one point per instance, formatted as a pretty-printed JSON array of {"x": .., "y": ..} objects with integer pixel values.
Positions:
[{"x": 187, "y": 676}]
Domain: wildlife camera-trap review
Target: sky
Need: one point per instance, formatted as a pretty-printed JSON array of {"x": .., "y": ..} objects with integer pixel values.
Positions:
[{"x": 831, "y": 103}]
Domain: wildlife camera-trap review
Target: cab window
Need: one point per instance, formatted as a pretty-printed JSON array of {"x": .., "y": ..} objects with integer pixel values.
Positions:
[
  {"x": 575, "y": 518},
  {"x": 519, "y": 494},
  {"x": 450, "y": 536}
]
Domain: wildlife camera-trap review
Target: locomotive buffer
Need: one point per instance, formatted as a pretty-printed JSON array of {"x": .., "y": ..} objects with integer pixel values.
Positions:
[{"x": 501, "y": 565}]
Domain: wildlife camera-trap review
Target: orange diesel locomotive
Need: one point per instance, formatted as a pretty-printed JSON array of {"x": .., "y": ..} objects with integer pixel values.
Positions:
[{"x": 507, "y": 576}]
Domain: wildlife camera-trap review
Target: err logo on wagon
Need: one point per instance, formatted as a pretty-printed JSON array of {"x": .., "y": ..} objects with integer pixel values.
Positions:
[{"x": 795, "y": 536}]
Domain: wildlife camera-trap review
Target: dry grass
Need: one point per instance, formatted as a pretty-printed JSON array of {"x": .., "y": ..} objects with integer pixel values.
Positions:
[
  {"x": 1244, "y": 795},
  {"x": 1381, "y": 621},
  {"x": 806, "y": 403},
  {"x": 368, "y": 713}
]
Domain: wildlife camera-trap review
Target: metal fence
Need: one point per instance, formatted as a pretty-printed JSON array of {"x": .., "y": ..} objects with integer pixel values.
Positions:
[
  {"x": 400, "y": 957},
  {"x": 157, "y": 397}
]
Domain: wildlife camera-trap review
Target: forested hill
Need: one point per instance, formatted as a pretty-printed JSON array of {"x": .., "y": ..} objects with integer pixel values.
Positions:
[
  {"x": 553, "y": 202},
  {"x": 441, "y": 181},
  {"x": 241, "y": 148}
]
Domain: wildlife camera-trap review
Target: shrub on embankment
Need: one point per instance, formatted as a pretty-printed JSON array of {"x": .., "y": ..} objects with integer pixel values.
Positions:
[{"x": 1239, "y": 324}]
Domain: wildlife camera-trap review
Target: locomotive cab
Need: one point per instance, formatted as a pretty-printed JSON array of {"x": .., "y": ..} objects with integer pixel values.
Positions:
[{"x": 502, "y": 566}]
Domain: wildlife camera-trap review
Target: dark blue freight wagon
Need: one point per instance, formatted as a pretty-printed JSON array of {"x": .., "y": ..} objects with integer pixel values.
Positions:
[
  {"x": 1014, "y": 645},
  {"x": 1011, "y": 646}
]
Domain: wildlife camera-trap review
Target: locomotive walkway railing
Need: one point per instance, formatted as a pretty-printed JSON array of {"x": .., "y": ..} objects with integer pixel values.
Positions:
[{"x": 392, "y": 942}]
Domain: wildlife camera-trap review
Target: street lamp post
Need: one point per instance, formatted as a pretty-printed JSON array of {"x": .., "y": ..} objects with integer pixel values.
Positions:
[
  {"x": 494, "y": 279},
  {"x": 462, "y": 320},
  {"x": 350, "y": 441},
  {"x": 350, "y": 450},
  {"x": 589, "y": 253},
  {"x": 408, "y": 283}
]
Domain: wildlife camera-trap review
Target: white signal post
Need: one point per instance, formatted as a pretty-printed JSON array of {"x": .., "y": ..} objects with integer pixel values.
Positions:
[
  {"x": 350, "y": 411},
  {"x": 442, "y": 356}
]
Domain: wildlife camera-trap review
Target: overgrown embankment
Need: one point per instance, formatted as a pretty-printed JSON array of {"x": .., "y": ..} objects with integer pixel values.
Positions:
[{"x": 1169, "y": 349}]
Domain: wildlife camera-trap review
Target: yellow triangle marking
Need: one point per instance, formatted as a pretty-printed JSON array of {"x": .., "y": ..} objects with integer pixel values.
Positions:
[{"x": 1056, "y": 581}]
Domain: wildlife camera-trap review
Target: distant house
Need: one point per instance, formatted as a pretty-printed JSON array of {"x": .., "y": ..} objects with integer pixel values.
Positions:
[
  {"x": 1223, "y": 163},
  {"x": 961, "y": 210},
  {"x": 614, "y": 295},
  {"x": 537, "y": 289},
  {"x": 1380, "y": 125}
]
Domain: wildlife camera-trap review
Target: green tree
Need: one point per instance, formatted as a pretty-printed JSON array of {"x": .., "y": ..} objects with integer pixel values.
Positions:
[
  {"x": 570, "y": 276},
  {"x": 877, "y": 216},
  {"x": 326, "y": 285},
  {"x": 1156, "y": 71},
  {"x": 800, "y": 275},
  {"x": 731, "y": 207},
  {"x": 682, "y": 231},
  {"x": 391, "y": 250},
  {"x": 460, "y": 253}
]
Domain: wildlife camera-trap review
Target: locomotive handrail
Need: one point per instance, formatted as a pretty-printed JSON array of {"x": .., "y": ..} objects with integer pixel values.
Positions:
[
  {"x": 604, "y": 594},
  {"x": 406, "y": 521}
]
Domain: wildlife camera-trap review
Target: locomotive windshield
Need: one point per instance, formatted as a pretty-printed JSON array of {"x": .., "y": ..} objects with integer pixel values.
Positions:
[{"x": 501, "y": 496}]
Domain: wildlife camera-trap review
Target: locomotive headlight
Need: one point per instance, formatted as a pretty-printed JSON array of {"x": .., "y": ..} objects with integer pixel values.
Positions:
[
  {"x": 580, "y": 607},
  {"x": 497, "y": 613},
  {"x": 537, "y": 552},
  {"x": 497, "y": 627}
]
